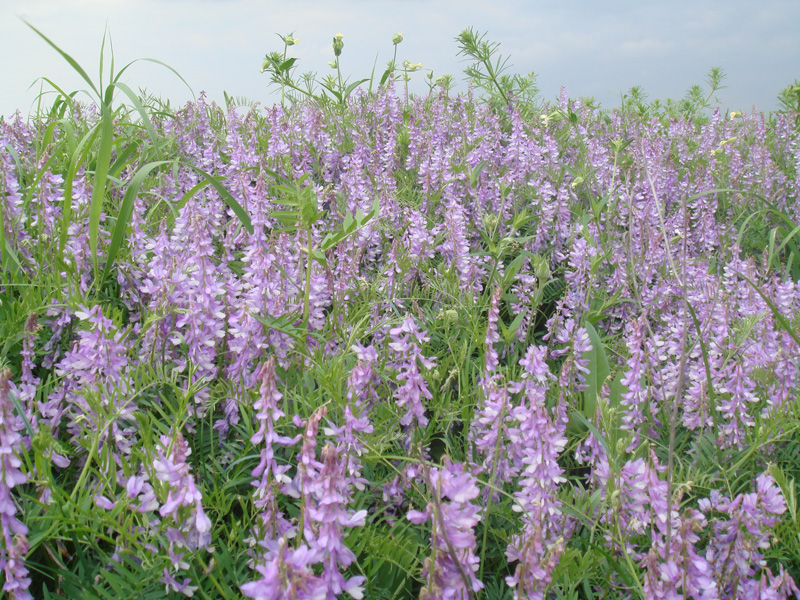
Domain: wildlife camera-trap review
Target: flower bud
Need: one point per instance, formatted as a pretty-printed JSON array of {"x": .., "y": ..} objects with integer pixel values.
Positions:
[
  {"x": 490, "y": 221},
  {"x": 338, "y": 44},
  {"x": 397, "y": 38}
]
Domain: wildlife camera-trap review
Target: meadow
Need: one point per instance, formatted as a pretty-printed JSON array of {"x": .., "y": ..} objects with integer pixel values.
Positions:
[{"x": 367, "y": 344}]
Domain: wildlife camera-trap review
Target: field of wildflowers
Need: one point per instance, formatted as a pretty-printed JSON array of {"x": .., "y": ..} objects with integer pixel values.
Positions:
[{"x": 366, "y": 344}]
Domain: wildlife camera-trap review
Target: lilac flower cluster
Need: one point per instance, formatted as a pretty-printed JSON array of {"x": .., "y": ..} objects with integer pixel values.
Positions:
[
  {"x": 539, "y": 440},
  {"x": 183, "y": 507},
  {"x": 324, "y": 489},
  {"x": 15, "y": 542},
  {"x": 406, "y": 341},
  {"x": 449, "y": 573}
]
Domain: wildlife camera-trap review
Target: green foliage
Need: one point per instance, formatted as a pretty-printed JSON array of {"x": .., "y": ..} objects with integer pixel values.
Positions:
[
  {"x": 329, "y": 90},
  {"x": 488, "y": 72},
  {"x": 692, "y": 106},
  {"x": 789, "y": 99}
]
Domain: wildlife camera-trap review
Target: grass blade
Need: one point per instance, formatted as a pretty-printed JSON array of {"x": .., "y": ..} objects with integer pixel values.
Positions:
[
  {"x": 227, "y": 198},
  {"x": 73, "y": 63},
  {"x": 100, "y": 177},
  {"x": 124, "y": 215},
  {"x": 148, "y": 125},
  {"x": 783, "y": 321},
  {"x": 598, "y": 372}
]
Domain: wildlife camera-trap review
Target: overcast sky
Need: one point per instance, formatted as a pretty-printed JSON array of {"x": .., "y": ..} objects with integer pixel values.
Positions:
[{"x": 595, "y": 48}]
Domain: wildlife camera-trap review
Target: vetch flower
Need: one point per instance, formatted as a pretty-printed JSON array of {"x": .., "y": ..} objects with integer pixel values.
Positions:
[
  {"x": 450, "y": 571},
  {"x": 492, "y": 335},
  {"x": 329, "y": 515},
  {"x": 184, "y": 501},
  {"x": 405, "y": 342},
  {"x": 269, "y": 476},
  {"x": 287, "y": 574},
  {"x": 14, "y": 543}
]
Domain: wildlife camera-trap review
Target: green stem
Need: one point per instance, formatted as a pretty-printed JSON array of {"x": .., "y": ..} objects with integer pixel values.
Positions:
[
  {"x": 500, "y": 421},
  {"x": 339, "y": 74},
  {"x": 306, "y": 299},
  {"x": 285, "y": 75}
]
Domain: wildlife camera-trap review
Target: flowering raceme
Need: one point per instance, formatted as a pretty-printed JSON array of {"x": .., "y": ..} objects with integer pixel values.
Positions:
[
  {"x": 14, "y": 545},
  {"x": 269, "y": 476},
  {"x": 538, "y": 440},
  {"x": 184, "y": 501},
  {"x": 449, "y": 572},
  {"x": 96, "y": 364},
  {"x": 405, "y": 343},
  {"x": 331, "y": 493}
]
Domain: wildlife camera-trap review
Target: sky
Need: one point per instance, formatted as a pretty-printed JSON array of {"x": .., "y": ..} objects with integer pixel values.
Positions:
[{"x": 598, "y": 48}]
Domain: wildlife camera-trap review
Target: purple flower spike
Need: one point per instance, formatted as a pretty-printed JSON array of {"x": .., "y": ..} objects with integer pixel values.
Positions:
[
  {"x": 492, "y": 336},
  {"x": 268, "y": 475},
  {"x": 450, "y": 572},
  {"x": 14, "y": 542},
  {"x": 406, "y": 341},
  {"x": 331, "y": 494},
  {"x": 182, "y": 492},
  {"x": 287, "y": 574}
]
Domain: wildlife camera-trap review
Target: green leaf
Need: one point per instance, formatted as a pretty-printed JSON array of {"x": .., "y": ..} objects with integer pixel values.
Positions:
[
  {"x": 73, "y": 63},
  {"x": 122, "y": 159},
  {"x": 349, "y": 223},
  {"x": 290, "y": 218},
  {"x": 100, "y": 175},
  {"x": 511, "y": 332},
  {"x": 319, "y": 256},
  {"x": 226, "y": 198},
  {"x": 285, "y": 324},
  {"x": 349, "y": 89},
  {"x": 287, "y": 64},
  {"x": 125, "y": 212},
  {"x": 385, "y": 76},
  {"x": 598, "y": 371},
  {"x": 148, "y": 125}
]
